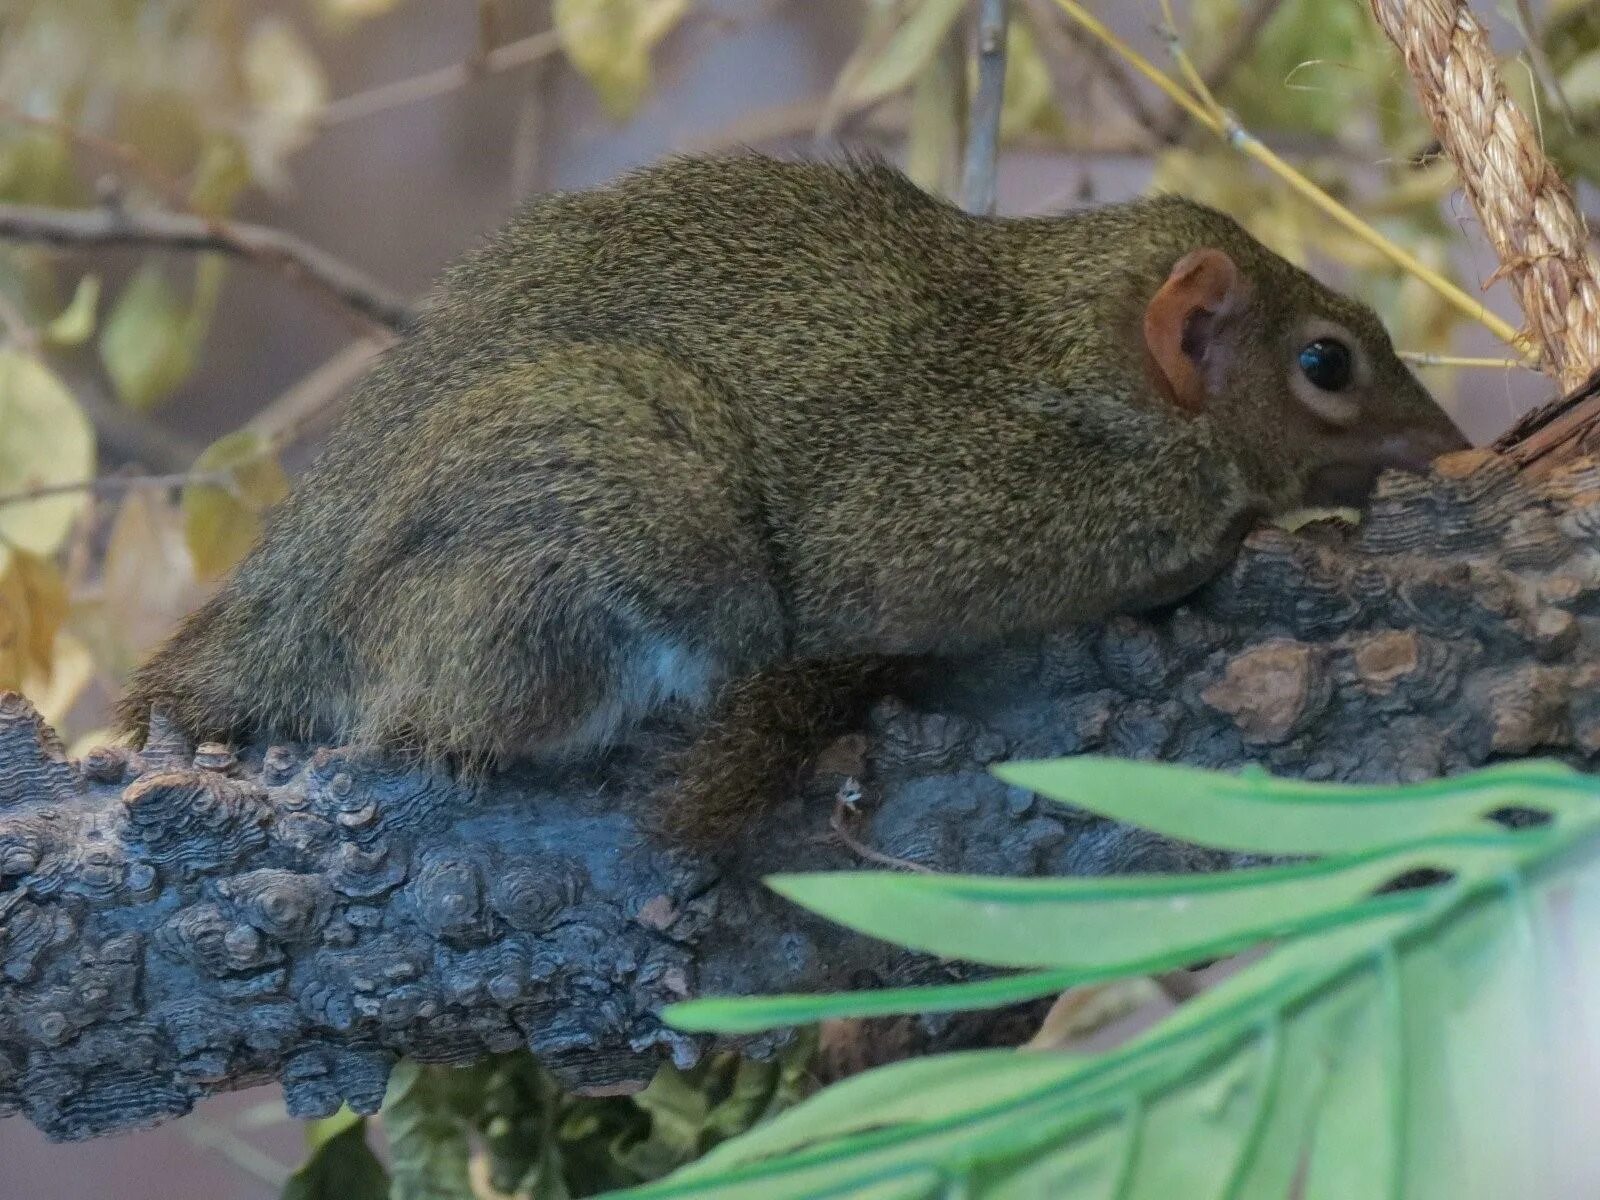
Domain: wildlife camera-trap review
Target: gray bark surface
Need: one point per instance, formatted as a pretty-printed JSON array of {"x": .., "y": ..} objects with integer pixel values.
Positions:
[{"x": 179, "y": 920}]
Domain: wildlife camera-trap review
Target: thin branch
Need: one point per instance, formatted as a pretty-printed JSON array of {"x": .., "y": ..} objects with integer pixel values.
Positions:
[
  {"x": 983, "y": 126},
  {"x": 288, "y": 418},
  {"x": 1544, "y": 72},
  {"x": 483, "y": 63},
  {"x": 111, "y": 485},
  {"x": 436, "y": 83},
  {"x": 841, "y": 830},
  {"x": 265, "y": 246},
  {"x": 1106, "y": 65},
  {"x": 1427, "y": 358},
  {"x": 1240, "y": 139},
  {"x": 1241, "y": 40}
]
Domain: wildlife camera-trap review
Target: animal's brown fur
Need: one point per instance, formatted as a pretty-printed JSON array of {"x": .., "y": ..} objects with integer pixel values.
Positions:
[{"x": 729, "y": 415}]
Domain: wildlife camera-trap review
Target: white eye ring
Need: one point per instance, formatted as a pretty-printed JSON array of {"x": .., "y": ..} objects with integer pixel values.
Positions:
[
  {"x": 1333, "y": 407},
  {"x": 1342, "y": 408}
]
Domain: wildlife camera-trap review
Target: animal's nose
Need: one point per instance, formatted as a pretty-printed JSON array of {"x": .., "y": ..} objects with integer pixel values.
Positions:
[{"x": 1413, "y": 451}]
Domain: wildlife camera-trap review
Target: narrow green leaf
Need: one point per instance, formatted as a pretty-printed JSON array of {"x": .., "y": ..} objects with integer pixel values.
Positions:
[
  {"x": 1257, "y": 814},
  {"x": 748, "y": 1014},
  {"x": 1122, "y": 924},
  {"x": 899, "y": 1092},
  {"x": 1252, "y": 1069}
]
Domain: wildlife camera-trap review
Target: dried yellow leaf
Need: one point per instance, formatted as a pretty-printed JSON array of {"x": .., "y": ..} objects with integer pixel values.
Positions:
[
  {"x": 146, "y": 582},
  {"x": 33, "y": 601}
]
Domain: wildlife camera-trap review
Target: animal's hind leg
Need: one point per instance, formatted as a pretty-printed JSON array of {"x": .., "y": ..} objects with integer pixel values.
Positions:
[
  {"x": 760, "y": 735},
  {"x": 612, "y": 563}
]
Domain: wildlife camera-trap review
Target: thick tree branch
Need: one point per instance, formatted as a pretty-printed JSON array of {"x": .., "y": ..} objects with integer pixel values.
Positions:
[
  {"x": 174, "y": 922},
  {"x": 272, "y": 248}
]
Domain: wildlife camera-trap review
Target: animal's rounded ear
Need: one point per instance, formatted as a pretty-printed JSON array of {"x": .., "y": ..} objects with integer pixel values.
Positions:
[{"x": 1182, "y": 323}]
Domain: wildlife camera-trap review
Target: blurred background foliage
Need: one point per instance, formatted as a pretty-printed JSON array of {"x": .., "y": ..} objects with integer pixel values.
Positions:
[{"x": 113, "y": 521}]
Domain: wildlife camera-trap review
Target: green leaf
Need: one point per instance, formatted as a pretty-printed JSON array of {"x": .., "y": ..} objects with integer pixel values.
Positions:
[
  {"x": 74, "y": 324},
  {"x": 45, "y": 441},
  {"x": 342, "y": 1167},
  {"x": 428, "y": 1147},
  {"x": 899, "y": 1091},
  {"x": 610, "y": 41},
  {"x": 1124, "y": 925},
  {"x": 222, "y": 521},
  {"x": 747, "y": 1014},
  {"x": 1253, "y": 813},
  {"x": 149, "y": 341},
  {"x": 1426, "y": 1052},
  {"x": 322, "y": 1131}
]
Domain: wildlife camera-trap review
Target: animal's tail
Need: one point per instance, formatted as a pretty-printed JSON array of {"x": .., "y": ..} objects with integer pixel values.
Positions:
[{"x": 762, "y": 732}]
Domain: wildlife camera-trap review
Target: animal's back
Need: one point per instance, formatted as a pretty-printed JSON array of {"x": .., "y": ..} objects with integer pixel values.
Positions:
[{"x": 702, "y": 313}]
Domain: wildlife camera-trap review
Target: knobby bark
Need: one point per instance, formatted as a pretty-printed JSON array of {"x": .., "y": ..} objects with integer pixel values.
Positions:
[{"x": 182, "y": 920}]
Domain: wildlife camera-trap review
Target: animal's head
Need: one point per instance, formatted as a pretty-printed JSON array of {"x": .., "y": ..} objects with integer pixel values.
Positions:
[{"x": 1301, "y": 381}]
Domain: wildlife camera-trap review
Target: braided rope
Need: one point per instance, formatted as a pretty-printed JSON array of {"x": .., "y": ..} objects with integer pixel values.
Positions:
[{"x": 1525, "y": 208}]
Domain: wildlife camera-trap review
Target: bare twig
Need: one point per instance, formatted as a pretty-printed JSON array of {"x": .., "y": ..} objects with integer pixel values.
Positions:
[
  {"x": 1544, "y": 72},
  {"x": 983, "y": 126},
  {"x": 1165, "y": 127},
  {"x": 1057, "y": 36},
  {"x": 121, "y": 432},
  {"x": 483, "y": 62},
  {"x": 1169, "y": 127},
  {"x": 123, "y": 157},
  {"x": 111, "y": 485},
  {"x": 182, "y": 231},
  {"x": 289, "y": 417},
  {"x": 334, "y": 281},
  {"x": 836, "y": 822},
  {"x": 436, "y": 83}
]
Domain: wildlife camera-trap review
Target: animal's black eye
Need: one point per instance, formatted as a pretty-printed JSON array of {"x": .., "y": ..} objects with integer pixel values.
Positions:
[{"x": 1326, "y": 363}]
